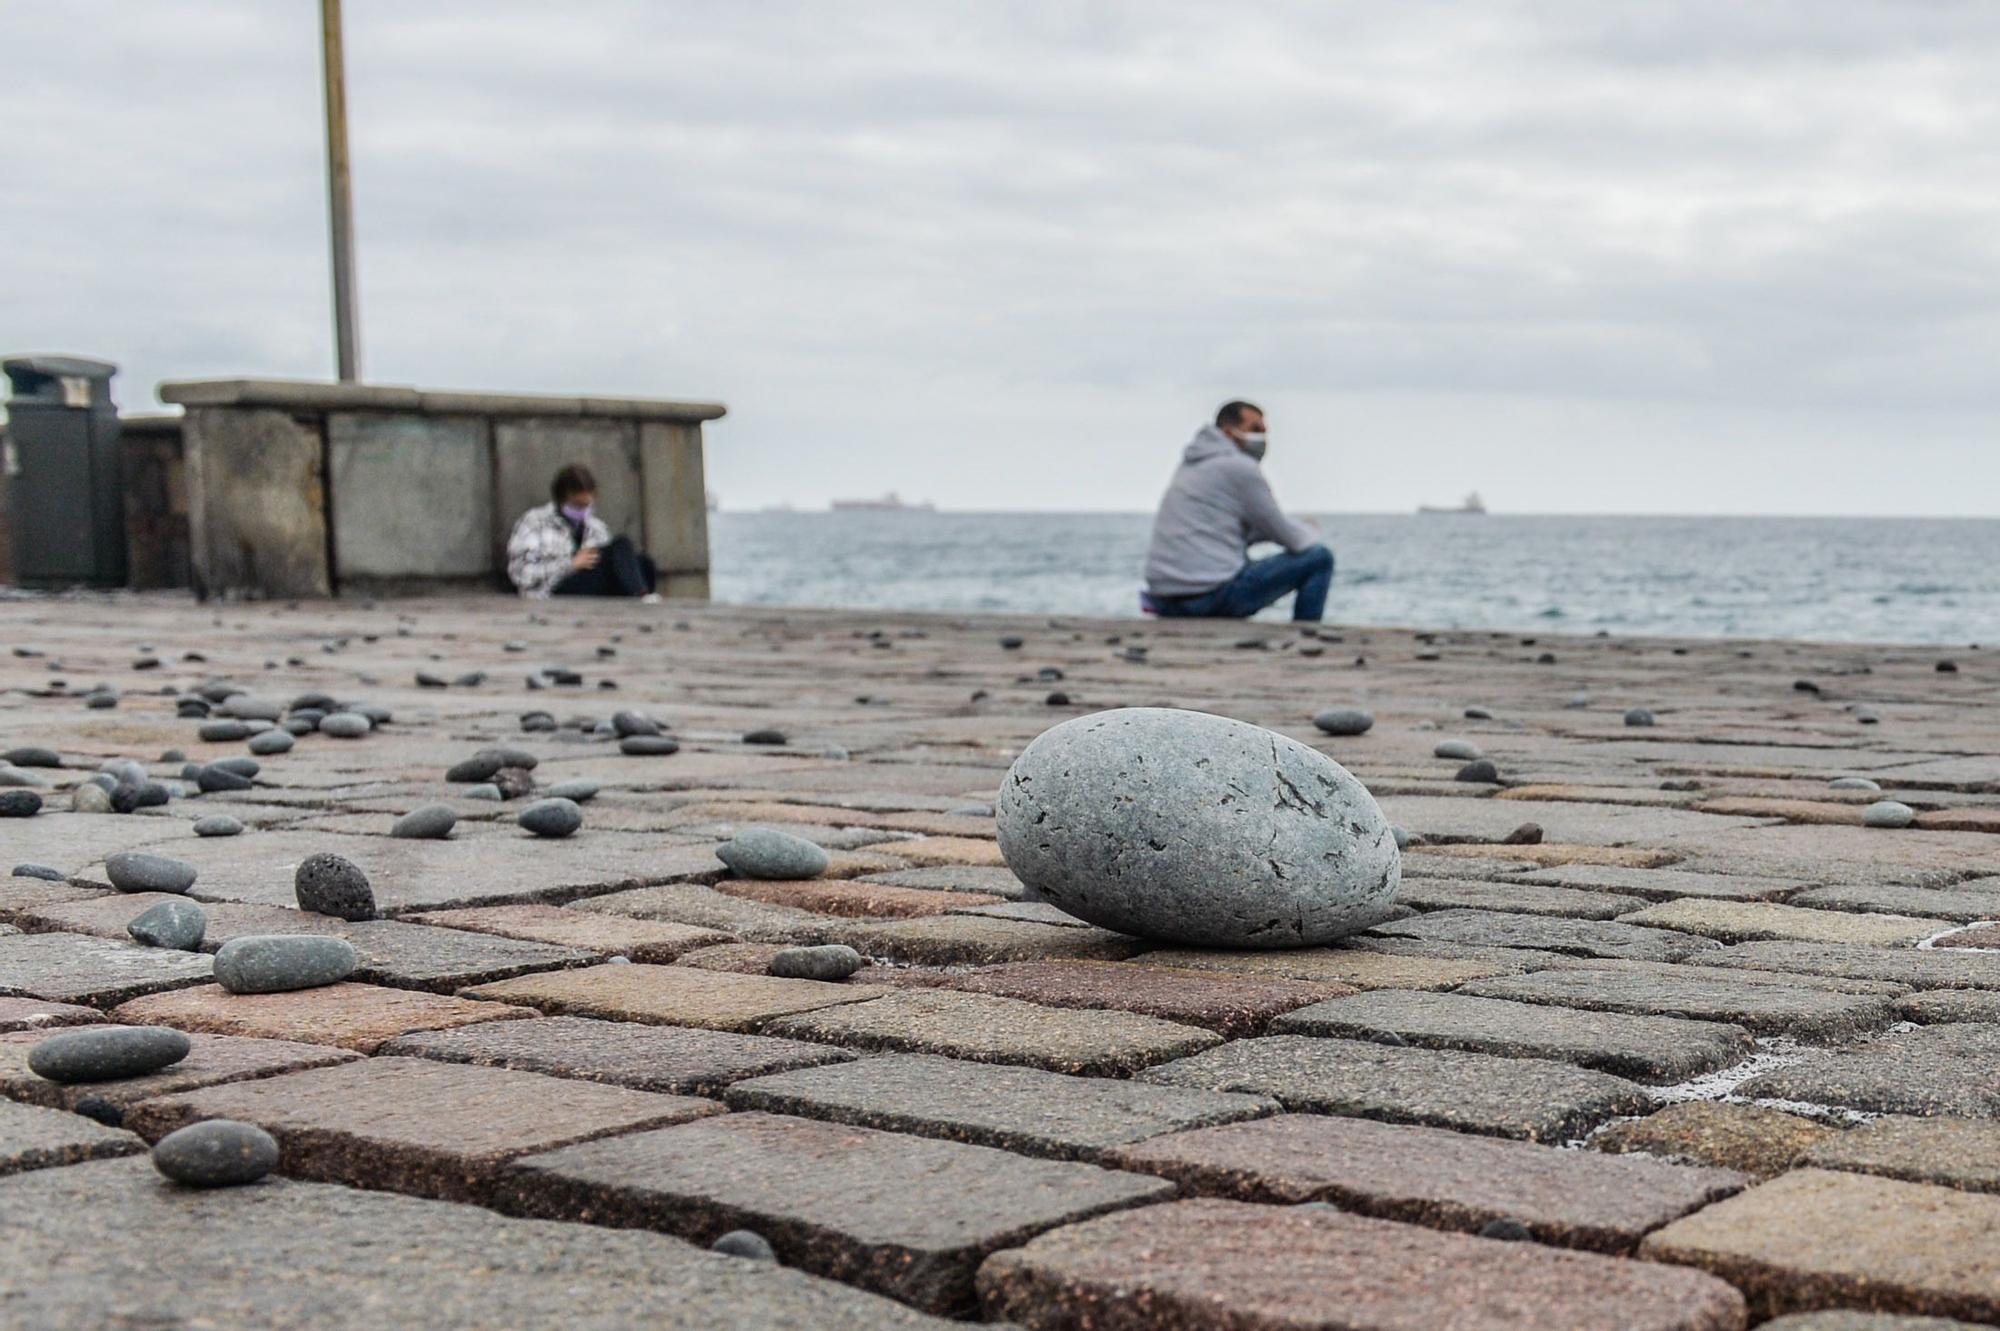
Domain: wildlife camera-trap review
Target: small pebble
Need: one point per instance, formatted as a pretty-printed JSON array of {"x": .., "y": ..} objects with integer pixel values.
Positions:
[
  {"x": 1947, "y": 667},
  {"x": 970, "y": 811},
  {"x": 1638, "y": 716},
  {"x": 101, "y": 699},
  {"x": 763, "y": 852},
  {"x": 634, "y": 723},
  {"x": 648, "y": 746},
  {"x": 1867, "y": 716},
  {"x": 270, "y": 742},
  {"x": 90, "y": 798},
  {"x": 1527, "y": 834},
  {"x": 1479, "y": 714},
  {"x": 767, "y": 735},
  {"x": 1012, "y": 642},
  {"x": 19, "y": 804},
  {"x": 1888, "y": 813},
  {"x": 1462, "y": 750},
  {"x": 32, "y": 757},
  {"x": 137, "y": 871},
  {"x": 46, "y": 872},
  {"x": 281, "y": 963},
  {"x": 330, "y": 885},
  {"x": 744, "y": 1243},
  {"x": 220, "y": 824},
  {"x": 832, "y": 961},
  {"x": 223, "y": 732},
  {"x": 433, "y": 822},
  {"x": 1507, "y": 1229},
  {"x": 1481, "y": 770},
  {"x": 216, "y": 1153},
  {"x": 485, "y": 790},
  {"x": 107, "y": 1053},
  {"x": 346, "y": 725},
  {"x": 1057, "y": 699},
  {"x": 1853, "y": 783},
  {"x": 578, "y": 791},
  {"x": 1344, "y": 720},
  {"x": 513, "y": 782},
  {"x": 177, "y": 924},
  {"x": 215, "y": 778},
  {"x": 100, "y": 1110},
  {"x": 551, "y": 818},
  {"x": 1402, "y": 837}
]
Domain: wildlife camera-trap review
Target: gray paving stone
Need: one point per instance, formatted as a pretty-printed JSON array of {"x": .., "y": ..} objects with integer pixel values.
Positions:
[
  {"x": 1518, "y": 897},
  {"x": 211, "y": 1060},
  {"x": 1753, "y": 921},
  {"x": 1018, "y": 1109},
  {"x": 1955, "y": 1152},
  {"x": 1664, "y": 884},
  {"x": 1853, "y": 1321},
  {"x": 93, "y": 972},
  {"x": 1929, "y": 968},
  {"x": 672, "y": 995},
  {"x": 1936, "y": 1070},
  {"x": 1434, "y": 1178},
  {"x": 1229, "y": 1005},
  {"x": 971, "y": 940},
  {"x": 1760, "y": 1006},
  {"x": 1643, "y": 1048},
  {"x": 1336, "y": 965},
  {"x": 956, "y": 878},
  {"x": 284, "y": 1256},
  {"x": 1583, "y": 938},
  {"x": 1943, "y": 1005},
  {"x": 906, "y": 1216},
  {"x": 704, "y": 907},
  {"x": 33, "y": 1137},
  {"x": 1959, "y": 904},
  {"x": 1501, "y": 1097},
  {"x": 987, "y": 1029},
  {"x": 34, "y": 1014},
  {"x": 675, "y": 1060}
]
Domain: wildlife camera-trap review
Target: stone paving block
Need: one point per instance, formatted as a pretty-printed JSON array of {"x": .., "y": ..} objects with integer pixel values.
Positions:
[
  {"x": 910, "y": 1217},
  {"x": 1035, "y": 912},
  {"x": 1792, "y": 811},
  {"x": 742, "y": 958},
  {"x": 288, "y": 1256},
  {"x": 1756, "y": 921},
  {"x": 851, "y": 898},
  {"x": 1816, "y": 1015},
  {"x": 1643, "y": 1048},
  {"x": 1943, "y": 1005},
  {"x": 1983, "y": 936},
  {"x": 93, "y": 972},
  {"x": 1432, "y": 1177},
  {"x": 673, "y": 1060},
  {"x": 1930, "y": 968},
  {"x": 1582, "y": 938},
  {"x": 106, "y": 915},
  {"x": 211, "y": 1061},
  {"x": 1853, "y": 1321},
  {"x": 32, "y": 1137},
  {"x": 34, "y": 1014},
  {"x": 73, "y": 841},
  {"x": 1962, "y": 905},
  {"x": 1446, "y": 1088},
  {"x": 417, "y": 1125},
  {"x": 941, "y": 850},
  {"x": 986, "y": 1029},
  {"x": 1814, "y": 1239},
  {"x": 1017, "y": 1109},
  {"x": 1664, "y": 884},
  {"x": 349, "y": 1015},
  {"x": 1549, "y": 856},
  {"x": 21, "y": 895},
  {"x": 970, "y": 940},
  {"x": 1747, "y": 1138},
  {"x": 1212, "y": 1265},
  {"x": 1927, "y": 1072},
  {"x": 1959, "y": 820},
  {"x": 672, "y": 995},
  {"x": 592, "y": 931},
  {"x": 704, "y": 907},
  {"x": 1954, "y": 1152},
  {"x": 995, "y": 880},
  {"x": 1332, "y": 965},
  {"x": 1229, "y": 1005},
  {"x": 1518, "y": 898}
]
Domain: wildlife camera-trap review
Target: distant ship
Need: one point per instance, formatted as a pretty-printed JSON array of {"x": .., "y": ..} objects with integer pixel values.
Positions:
[
  {"x": 891, "y": 503},
  {"x": 1472, "y": 503}
]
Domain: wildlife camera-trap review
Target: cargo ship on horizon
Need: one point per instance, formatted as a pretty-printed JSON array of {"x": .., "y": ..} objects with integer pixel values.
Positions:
[{"x": 888, "y": 503}]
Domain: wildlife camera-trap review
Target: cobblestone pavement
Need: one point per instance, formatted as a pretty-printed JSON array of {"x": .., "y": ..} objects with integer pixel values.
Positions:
[{"x": 1666, "y": 1035}]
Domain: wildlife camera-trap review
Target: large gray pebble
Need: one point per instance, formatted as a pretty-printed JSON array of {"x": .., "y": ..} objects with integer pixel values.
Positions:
[
  {"x": 634, "y": 723},
  {"x": 579, "y": 791},
  {"x": 551, "y": 817},
  {"x": 346, "y": 725},
  {"x": 177, "y": 924},
  {"x": 485, "y": 790},
  {"x": 218, "y": 824},
  {"x": 137, "y": 871},
  {"x": 1344, "y": 721},
  {"x": 648, "y": 746},
  {"x": 279, "y": 963},
  {"x": 215, "y": 777},
  {"x": 222, "y": 732},
  {"x": 106, "y": 1053},
  {"x": 1888, "y": 813},
  {"x": 330, "y": 885},
  {"x": 763, "y": 852},
  {"x": 830, "y": 961},
  {"x": 272, "y": 742},
  {"x": 90, "y": 798},
  {"x": 246, "y": 708},
  {"x": 216, "y": 1153},
  {"x": 19, "y": 804},
  {"x": 46, "y": 872},
  {"x": 433, "y": 822},
  {"x": 32, "y": 755},
  {"x": 1463, "y": 750},
  {"x": 1191, "y": 828}
]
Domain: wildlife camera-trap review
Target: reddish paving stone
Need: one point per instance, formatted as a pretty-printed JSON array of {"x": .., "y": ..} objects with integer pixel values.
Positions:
[
  {"x": 1431, "y": 1177},
  {"x": 1748, "y": 1138},
  {"x": 32, "y": 1137},
  {"x": 995, "y": 880},
  {"x": 672, "y": 995},
  {"x": 704, "y": 907},
  {"x": 1980, "y": 936},
  {"x": 675, "y": 1060},
  {"x": 1552, "y": 855},
  {"x": 742, "y": 958},
  {"x": 1853, "y": 1321},
  {"x": 1947, "y": 1005},
  {"x": 1954, "y": 1152},
  {"x": 1704, "y": 994},
  {"x": 1335, "y": 965},
  {"x": 94, "y": 972},
  {"x": 609, "y": 935},
  {"x": 910, "y": 1217},
  {"x": 1817, "y": 1239},
  {"x": 20, "y": 897},
  {"x": 853, "y": 899},
  {"x": 1645, "y": 1048},
  {"x": 1208, "y": 1265},
  {"x": 417, "y": 1125},
  {"x": 211, "y": 1061},
  {"x": 986, "y": 1029},
  {"x": 1018, "y": 1109},
  {"x": 1581, "y": 938},
  {"x": 941, "y": 850},
  {"x": 1960, "y": 820},
  {"x": 1500, "y": 1097},
  {"x": 34, "y": 1014},
  {"x": 974, "y": 940},
  {"x": 1229, "y": 1005},
  {"x": 352, "y": 1016}
]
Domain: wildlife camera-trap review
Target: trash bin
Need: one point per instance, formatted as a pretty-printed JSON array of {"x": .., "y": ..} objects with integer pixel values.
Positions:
[{"x": 65, "y": 499}]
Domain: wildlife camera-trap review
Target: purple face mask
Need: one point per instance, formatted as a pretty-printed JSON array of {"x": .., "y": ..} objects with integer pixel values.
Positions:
[{"x": 577, "y": 513}]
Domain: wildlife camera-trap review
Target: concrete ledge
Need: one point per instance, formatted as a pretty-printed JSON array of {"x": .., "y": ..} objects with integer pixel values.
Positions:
[{"x": 308, "y": 395}]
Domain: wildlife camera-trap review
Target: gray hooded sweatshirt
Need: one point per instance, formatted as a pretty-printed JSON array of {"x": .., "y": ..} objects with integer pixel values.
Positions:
[{"x": 1217, "y": 507}]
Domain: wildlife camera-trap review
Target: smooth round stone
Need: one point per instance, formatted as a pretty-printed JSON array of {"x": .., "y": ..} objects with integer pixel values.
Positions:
[
  {"x": 551, "y": 818},
  {"x": 101, "y": 700},
  {"x": 1012, "y": 642},
  {"x": 90, "y": 798},
  {"x": 1577, "y": 701},
  {"x": 1189, "y": 828},
  {"x": 107, "y": 1053},
  {"x": 485, "y": 790},
  {"x": 329, "y": 885},
  {"x": 100, "y": 1110},
  {"x": 1638, "y": 716},
  {"x": 19, "y": 804},
  {"x": 479, "y": 767},
  {"x": 345, "y": 725},
  {"x": 744, "y": 1243},
  {"x": 219, "y": 824},
  {"x": 271, "y": 742},
  {"x": 832, "y": 961},
  {"x": 314, "y": 702},
  {"x": 246, "y": 708},
  {"x": 124, "y": 772},
  {"x": 376, "y": 713},
  {"x": 1402, "y": 838},
  {"x": 216, "y": 1153},
  {"x": 433, "y": 822},
  {"x": 1482, "y": 770},
  {"x": 579, "y": 791},
  {"x": 1507, "y": 1229},
  {"x": 48, "y": 873},
  {"x": 137, "y": 871},
  {"x": 971, "y": 811},
  {"x": 514, "y": 782},
  {"x": 1888, "y": 813},
  {"x": 149, "y": 795},
  {"x": 767, "y": 735},
  {"x": 215, "y": 777},
  {"x": 1867, "y": 716},
  {"x": 32, "y": 757},
  {"x": 280, "y": 963},
  {"x": 1853, "y": 783},
  {"x": 1479, "y": 713},
  {"x": 634, "y": 723},
  {"x": 175, "y": 924},
  {"x": 20, "y": 776},
  {"x": 240, "y": 766},
  {"x": 1463, "y": 750},
  {"x": 224, "y": 732},
  {"x": 1344, "y": 720},
  {"x": 648, "y": 746},
  {"x": 537, "y": 722},
  {"x": 764, "y": 852}
]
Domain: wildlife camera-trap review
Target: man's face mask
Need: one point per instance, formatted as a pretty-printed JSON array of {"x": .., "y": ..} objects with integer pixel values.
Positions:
[
  {"x": 1254, "y": 444},
  {"x": 576, "y": 512}
]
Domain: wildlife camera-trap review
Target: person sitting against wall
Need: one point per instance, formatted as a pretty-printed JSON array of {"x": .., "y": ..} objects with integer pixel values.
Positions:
[{"x": 562, "y": 548}]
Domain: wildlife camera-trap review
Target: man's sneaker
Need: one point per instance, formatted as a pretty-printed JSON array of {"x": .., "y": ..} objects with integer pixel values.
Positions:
[
  {"x": 1147, "y": 605},
  {"x": 650, "y": 598}
]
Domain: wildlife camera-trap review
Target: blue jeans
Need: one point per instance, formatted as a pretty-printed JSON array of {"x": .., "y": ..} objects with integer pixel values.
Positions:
[{"x": 1309, "y": 573}]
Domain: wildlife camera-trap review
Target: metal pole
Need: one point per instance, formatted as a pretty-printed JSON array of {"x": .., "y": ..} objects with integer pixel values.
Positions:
[{"x": 339, "y": 194}]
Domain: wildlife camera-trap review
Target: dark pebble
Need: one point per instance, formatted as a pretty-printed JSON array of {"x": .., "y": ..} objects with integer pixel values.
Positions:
[
  {"x": 634, "y": 723},
  {"x": 1638, "y": 716},
  {"x": 220, "y": 824},
  {"x": 100, "y": 1110},
  {"x": 551, "y": 818},
  {"x": 216, "y": 1153},
  {"x": 1805, "y": 686},
  {"x": 19, "y": 804},
  {"x": 274, "y": 741},
  {"x": 433, "y": 822},
  {"x": 831, "y": 961},
  {"x": 48, "y": 873},
  {"x": 329, "y": 885},
  {"x": 1479, "y": 770},
  {"x": 514, "y": 782},
  {"x": 1527, "y": 834},
  {"x": 533, "y": 722},
  {"x": 766, "y": 736},
  {"x": 1012, "y": 642},
  {"x": 215, "y": 777},
  {"x": 1507, "y": 1229},
  {"x": 32, "y": 757},
  {"x": 282, "y": 963},
  {"x": 744, "y": 1243},
  {"x": 648, "y": 746},
  {"x": 137, "y": 871},
  {"x": 224, "y": 732},
  {"x": 107, "y": 1053},
  {"x": 1947, "y": 667},
  {"x": 180, "y": 925},
  {"x": 1057, "y": 699}
]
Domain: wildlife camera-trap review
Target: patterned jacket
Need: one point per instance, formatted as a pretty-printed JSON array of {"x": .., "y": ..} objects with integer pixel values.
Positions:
[{"x": 539, "y": 551}]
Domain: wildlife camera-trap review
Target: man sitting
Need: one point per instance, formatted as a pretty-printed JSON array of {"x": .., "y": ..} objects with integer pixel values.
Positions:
[
  {"x": 562, "y": 548},
  {"x": 1217, "y": 507}
]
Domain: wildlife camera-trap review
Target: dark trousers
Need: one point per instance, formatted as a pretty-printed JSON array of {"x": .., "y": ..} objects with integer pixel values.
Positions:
[
  {"x": 1309, "y": 574},
  {"x": 621, "y": 571}
]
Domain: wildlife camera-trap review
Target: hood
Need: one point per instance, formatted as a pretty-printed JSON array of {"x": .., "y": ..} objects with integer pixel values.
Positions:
[{"x": 1210, "y": 442}]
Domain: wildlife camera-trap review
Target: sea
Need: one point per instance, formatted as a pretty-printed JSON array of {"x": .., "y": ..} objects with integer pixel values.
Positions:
[{"x": 1916, "y": 580}]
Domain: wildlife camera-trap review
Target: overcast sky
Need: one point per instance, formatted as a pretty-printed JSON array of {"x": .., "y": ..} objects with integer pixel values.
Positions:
[{"x": 1679, "y": 256}]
